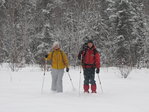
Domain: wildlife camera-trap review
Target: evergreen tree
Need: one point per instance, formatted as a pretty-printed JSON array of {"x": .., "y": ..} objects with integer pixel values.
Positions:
[
  {"x": 139, "y": 30},
  {"x": 126, "y": 31}
]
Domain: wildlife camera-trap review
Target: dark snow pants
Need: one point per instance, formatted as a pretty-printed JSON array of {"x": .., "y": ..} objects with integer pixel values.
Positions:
[{"x": 89, "y": 76}]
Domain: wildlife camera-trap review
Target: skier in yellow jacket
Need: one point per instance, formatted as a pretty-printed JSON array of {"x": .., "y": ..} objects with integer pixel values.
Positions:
[{"x": 59, "y": 61}]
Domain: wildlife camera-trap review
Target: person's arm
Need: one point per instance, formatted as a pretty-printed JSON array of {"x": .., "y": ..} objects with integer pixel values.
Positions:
[
  {"x": 97, "y": 60},
  {"x": 66, "y": 62},
  {"x": 48, "y": 56},
  {"x": 80, "y": 55}
]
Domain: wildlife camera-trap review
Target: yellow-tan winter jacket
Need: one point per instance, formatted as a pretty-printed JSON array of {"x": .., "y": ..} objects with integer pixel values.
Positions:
[{"x": 58, "y": 59}]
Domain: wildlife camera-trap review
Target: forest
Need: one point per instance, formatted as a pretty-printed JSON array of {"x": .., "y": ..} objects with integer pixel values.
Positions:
[{"x": 119, "y": 29}]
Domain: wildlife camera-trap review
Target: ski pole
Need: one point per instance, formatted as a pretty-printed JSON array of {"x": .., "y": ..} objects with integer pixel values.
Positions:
[
  {"x": 100, "y": 82},
  {"x": 71, "y": 81},
  {"x": 80, "y": 80},
  {"x": 43, "y": 80}
]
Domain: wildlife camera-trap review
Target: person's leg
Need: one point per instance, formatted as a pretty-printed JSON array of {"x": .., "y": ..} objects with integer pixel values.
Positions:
[
  {"x": 92, "y": 80},
  {"x": 86, "y": 80},
  {"x": 59, "y": 84},
  {"x": 54, "y": 74}
]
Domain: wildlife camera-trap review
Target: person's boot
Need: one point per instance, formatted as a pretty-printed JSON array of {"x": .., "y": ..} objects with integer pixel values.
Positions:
[
  {"x": 86, "y": 88},
  {"x": 93, "y": 88}
]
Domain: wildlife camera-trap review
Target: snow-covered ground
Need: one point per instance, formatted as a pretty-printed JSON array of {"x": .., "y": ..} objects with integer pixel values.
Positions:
[{"x": 21, "y": 92}]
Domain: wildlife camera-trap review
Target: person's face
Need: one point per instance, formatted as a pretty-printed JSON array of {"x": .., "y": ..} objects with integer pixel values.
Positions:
[
  {"x": 56, "y": 47},
  {"x": 90, "y": 45}
]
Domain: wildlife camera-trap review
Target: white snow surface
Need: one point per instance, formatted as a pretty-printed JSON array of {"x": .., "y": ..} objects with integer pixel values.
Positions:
[{"x": 21, "y": 92}]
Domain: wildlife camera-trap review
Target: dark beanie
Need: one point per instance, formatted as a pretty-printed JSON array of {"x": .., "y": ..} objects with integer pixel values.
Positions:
[{"x": 89, "y": 41}]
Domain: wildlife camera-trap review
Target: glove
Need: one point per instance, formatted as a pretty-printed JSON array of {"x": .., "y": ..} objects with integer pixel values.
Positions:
[
  {"x": 97, "y": 70},
  {"x": 46, "y": 56},
  {"x": 67, "y": 69}
]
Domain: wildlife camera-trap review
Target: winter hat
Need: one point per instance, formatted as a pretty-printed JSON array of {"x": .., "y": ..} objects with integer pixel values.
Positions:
[
  {"x": 90, "y": 41},
  {"x": 56, "y": 43}
]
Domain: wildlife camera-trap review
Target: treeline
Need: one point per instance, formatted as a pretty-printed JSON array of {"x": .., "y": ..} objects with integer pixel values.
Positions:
[{"x": 119, "y": 28}]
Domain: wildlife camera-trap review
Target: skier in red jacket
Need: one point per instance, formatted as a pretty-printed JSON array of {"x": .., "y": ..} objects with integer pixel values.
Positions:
[{"x": 90, "y": 61}]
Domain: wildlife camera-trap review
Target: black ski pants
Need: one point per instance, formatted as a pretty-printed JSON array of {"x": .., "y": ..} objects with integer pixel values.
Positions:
[{"x": 89, "y": 76}]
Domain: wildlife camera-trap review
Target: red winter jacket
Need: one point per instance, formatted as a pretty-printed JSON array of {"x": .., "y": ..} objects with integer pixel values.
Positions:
[{"x": 90, "y": 58}]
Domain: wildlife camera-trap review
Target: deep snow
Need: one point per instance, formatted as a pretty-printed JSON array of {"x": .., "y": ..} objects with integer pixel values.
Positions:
[{"x": 21, "y": 92}]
